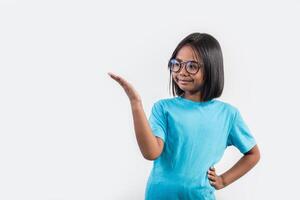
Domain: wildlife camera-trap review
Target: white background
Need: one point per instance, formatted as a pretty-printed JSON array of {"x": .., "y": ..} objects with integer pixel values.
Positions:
[{"x": 66, "y": 129}]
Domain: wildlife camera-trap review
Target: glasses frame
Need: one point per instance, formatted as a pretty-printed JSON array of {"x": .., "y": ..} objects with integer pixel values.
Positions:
[{"x": 185, "y": 62}]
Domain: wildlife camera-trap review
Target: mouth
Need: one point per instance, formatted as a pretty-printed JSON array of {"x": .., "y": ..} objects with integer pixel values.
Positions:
[
  {"x": 185, "y": 80},
  {"x": 182, "y": 81}
]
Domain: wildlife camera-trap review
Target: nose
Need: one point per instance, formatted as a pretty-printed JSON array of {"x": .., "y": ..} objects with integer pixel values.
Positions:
[{"x": 183, "y": 70}]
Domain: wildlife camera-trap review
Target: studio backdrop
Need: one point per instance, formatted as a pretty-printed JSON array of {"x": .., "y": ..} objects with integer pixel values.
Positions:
[{"x": 66, "y": 128}]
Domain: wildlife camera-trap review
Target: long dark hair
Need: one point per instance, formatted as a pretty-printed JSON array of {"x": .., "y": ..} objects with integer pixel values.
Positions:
[{"x": 209, "y": 49}]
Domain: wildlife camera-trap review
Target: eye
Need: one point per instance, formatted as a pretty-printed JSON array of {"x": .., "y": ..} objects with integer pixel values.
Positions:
[
  {"x": 193, "y": 65},
  {"x": 174, "y": 63}
]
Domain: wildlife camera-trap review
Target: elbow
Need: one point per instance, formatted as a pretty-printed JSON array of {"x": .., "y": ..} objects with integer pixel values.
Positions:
[
  {"x": 257, "y": 154},
  {"x": 255, "y": 158},
  {"x": 254, "y": 153},
  {"x": 155, "y": 152},
  {"x": 258, "y": 157},
  {"x": 150, "y": 157}
]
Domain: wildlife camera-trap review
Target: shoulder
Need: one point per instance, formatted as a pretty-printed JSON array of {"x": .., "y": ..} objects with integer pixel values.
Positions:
[
  {"x": 228, "y": 107},
  {"x": 164, "y": 101},
  {"x": 164, "y": 104}
]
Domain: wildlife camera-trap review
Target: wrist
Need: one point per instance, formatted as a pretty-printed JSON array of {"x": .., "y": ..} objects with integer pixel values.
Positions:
[
  {"x": 135, "y": 103},
  {"x": 223, "y": 180}
]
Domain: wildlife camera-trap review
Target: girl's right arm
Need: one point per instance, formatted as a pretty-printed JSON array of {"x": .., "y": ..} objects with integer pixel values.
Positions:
[{"x": 151, "y": 146}]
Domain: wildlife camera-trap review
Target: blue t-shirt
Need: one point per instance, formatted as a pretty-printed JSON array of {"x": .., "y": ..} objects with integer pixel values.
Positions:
[{"x": 195, "y": 136}]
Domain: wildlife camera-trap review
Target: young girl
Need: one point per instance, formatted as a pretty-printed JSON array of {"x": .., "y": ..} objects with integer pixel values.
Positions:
[{"x": 186, "y": 135}]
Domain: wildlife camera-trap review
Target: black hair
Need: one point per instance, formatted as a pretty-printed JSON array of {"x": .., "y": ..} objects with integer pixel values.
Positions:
[{"x": 208, "y": 48}]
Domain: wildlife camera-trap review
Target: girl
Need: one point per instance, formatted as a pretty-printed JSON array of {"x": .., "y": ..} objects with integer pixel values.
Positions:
[{"x": 186, "y": 135}]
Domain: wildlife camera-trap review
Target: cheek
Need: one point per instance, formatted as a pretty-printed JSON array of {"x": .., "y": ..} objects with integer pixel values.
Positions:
[
  {"x": 174, "y": 77},
  {"x": 198, "y": 79}
]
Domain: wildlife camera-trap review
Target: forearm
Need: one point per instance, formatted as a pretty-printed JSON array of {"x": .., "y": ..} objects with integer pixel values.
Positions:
[
  {"x": 245, "y": 164},
  {"x": 146, "y": 140}
]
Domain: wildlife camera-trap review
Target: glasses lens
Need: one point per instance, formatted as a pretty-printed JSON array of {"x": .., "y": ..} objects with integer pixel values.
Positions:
[
  {"x": 174, "y": 65},
  {"x": 192, "y": 67}
]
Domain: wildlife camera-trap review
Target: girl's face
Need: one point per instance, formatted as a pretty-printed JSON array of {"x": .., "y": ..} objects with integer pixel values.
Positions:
[{"x": 189, "y": 83}]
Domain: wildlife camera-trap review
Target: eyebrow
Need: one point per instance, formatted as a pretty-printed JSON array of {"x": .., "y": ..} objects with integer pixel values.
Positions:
[{"x": 185, "y": 61}]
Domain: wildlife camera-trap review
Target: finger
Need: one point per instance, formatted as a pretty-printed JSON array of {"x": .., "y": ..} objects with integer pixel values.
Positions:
[
  {"x": 115, "y": 77},
  {"x": 212, "y": 182},
  {"x": 119, "y": 79},
  {"x": 212, "y": 178},
  {"x": 211, "y": 172},
  {"x": 212, "y": 168},
  {"x": 112, "y": 75}
]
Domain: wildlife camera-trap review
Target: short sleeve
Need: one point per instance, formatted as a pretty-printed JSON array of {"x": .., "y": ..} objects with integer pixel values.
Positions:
[
  {"x": 240, "y": 135},
  {"x": 158, "y": 121}
]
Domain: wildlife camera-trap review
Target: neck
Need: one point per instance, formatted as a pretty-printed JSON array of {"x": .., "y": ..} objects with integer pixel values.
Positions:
[{"x": 193, "y": 96}]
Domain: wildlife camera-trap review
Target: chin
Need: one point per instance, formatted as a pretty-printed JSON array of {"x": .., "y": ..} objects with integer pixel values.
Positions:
[{"x": 186, "y": 88}]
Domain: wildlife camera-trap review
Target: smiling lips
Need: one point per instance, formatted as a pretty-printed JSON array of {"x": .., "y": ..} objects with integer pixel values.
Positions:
[{"x": 182, "y": 80}]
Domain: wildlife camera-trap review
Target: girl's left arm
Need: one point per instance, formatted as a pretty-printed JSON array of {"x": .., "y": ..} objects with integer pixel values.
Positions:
[{"x": 245, "y": 164}]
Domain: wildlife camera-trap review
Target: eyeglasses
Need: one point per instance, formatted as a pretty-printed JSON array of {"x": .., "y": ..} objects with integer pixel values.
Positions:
[{"x": 191, "y": 67}]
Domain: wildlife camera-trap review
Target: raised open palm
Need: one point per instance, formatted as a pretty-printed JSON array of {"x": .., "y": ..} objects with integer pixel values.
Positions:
[{"x": 129, "y": 89}]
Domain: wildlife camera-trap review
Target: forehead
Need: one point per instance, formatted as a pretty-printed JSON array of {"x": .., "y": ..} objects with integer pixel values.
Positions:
[{"x": 186, "y": 53}]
